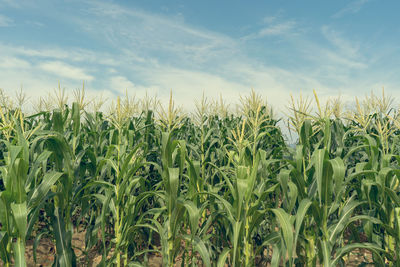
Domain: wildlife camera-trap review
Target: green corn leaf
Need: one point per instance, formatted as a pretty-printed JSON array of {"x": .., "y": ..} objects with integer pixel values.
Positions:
[
  {"x": 19, "y": 253},
  {"x": 64, "y": 252},
  {"x": 20, "y": 215},
  {"x": 347, "y": 211},
  {"x": 173, "y": 175},
  {"x": 202, "y": 250},
  {"x": 223, "y": 257},
  {"x": 318, "y": 159},
  {"x": 194, "y": 216},
  {"x": 348, "y": 248},
  {"x": 276, "y": 255},
  {"x": 76, "y": 118},
  {"x": 338, "y": 174},
  {"x": 287, "y": 230},
  {"x": 326, "y": 253},
  {"x": 35, "y": 245},
  {"x": 301, "y": 214},
  {"x": 41, "y": 191}
]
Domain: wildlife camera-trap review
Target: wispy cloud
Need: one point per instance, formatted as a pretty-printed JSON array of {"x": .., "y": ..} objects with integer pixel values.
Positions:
[
  {"x": 344, "y": 51},
  {"x": 11, "y": 62},
  {"x": 350, "y": 49},
  {"x": 36, "y": 24},
  {"x": 60, "y": 53},
  {"x": 121, "y": 83},
  {"x": 276, "y": 29},
  {"x": 156, "y": 36},
  {"x": 5, "y": 21},
  {"x": 351, "y": 8},
  {"x": 10, "y": 3},
  {"x": 160, "y": 53},
  {"x": 62, "y": 69}
]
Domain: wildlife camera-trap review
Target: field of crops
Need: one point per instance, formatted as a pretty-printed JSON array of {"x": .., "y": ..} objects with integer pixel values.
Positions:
[{"x": 211, "y": 188}]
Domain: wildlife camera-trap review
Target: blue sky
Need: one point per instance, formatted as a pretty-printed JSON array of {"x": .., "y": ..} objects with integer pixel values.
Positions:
[{"x": 217, "y": 47}]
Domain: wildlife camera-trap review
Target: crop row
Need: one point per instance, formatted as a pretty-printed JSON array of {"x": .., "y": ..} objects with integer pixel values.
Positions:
[{"x": 206, "y": 191}]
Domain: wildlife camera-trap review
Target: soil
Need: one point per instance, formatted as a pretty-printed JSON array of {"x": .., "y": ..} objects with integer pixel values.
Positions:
[{"x": 46, "y": 250}]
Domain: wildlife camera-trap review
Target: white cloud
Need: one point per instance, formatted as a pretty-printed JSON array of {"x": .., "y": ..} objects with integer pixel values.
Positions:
[
  {"x": 351, "y": 8},
  {"x": 8, "y": 62},
  {"x": 269, "y": 19},
  {"x": 153, "y": 22},
  {"x": 351, "y": 49},
  {"x": 155, "y": 35},
  {"x": 342, "y": 60},
  {"x": 344, "y": 52},
  {"x": 37, "y": 24},
  {"x": 237, "y": 79},
  {"x": 276, "y": 29},
  {"x": 5, "y": 21},
  {"x": 10, "y": 3},
  {"x": 60, "y": 54},
  {"x": 65, "y": 70},
  {"x": 121, "y": 83},
  {"x": 160, "y": 54}
]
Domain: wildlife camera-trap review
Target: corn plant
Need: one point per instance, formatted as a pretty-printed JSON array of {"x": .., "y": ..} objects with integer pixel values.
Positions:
[
  {"x": 211, "y": 189},
  {"x": 178, "y": 210},
  {"x": 26, "y": 190},
  {"x": 322, "y": 180}
]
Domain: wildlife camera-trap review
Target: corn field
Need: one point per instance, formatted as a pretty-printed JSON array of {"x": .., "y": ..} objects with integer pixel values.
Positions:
[{"x": 211, "y": 188}]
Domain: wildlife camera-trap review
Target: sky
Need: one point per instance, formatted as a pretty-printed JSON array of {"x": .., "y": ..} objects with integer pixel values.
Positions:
[{"x": 192, "y": 47}]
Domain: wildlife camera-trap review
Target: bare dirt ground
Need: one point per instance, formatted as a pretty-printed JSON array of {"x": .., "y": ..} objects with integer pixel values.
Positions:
[{"x": 46, "y": 250}]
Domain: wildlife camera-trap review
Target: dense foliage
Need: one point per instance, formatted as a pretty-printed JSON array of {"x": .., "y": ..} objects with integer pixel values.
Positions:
[{"x": 204, "y": 190}]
